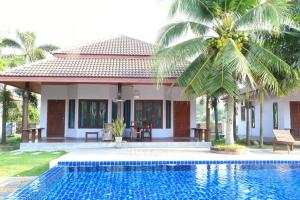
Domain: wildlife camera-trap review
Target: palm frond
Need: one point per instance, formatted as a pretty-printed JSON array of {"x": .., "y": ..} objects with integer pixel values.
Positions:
[
  {"x": 266, "y": 16},
  {"x": 38, "y": 54},
  {"x": 27, "y": 40},
  {"x": 48, "y": 47},
  {"x": 262, "y": 74},
  {"x": 169, "y": 59},
  {"x": 196, "y": 9},
  {"x": 273, "y": 62},
  {"x": 194, "y": 77},
  {"x": 232, "y": 58},
  {"x": 178, "y": 29},
  {"x": 6, "y": 42}
]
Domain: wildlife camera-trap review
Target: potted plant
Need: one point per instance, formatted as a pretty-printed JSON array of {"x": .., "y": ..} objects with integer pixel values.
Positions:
[{"x": 118, "y": 128}]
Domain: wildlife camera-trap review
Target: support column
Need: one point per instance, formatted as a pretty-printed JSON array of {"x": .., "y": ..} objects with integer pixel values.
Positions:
[
  {"x": 25, "y": 135},
  {"x": 120, "y": 102}
]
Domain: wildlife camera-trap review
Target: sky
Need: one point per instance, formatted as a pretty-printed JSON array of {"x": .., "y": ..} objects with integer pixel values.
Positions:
[{"x": 70, "y": 22}]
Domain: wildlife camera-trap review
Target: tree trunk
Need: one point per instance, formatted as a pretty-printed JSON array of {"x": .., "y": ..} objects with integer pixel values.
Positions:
[
  {"x": 25, "y": 111},
  {"x": 208, "y": 117},
  {"x": 4, "y": 114},
  {"x": 234, "y": 121},
  {"x": 215, "y": 107},
  {"x": 247, "y": 116},
  {"x": 261, "y": 118},
  {"x": 229, "y": 125},
  {"x": 247, "y": 125}
]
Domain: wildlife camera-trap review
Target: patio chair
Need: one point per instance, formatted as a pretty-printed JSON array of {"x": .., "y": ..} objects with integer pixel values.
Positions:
[
  {"x": 108, "y": 134},
  {"x": 135, "y": 131},
  {"x": 283, "y": 137},
  {"x": 147, "y": 131}
]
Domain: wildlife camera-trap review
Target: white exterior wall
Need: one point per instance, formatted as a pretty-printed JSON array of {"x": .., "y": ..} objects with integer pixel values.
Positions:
[
  {"x": 109, "y": 92},
  {"x": 284, "y": 119}
]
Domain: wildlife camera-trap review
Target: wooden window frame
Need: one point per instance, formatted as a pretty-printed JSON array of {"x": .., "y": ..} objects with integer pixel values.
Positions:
[
  {"x": 168, "y": 114},
  {"x": 144, "y": 113},
  {"x": 97, "y": 113},
  {"x": 69, "y": 115},
  {"x": 127, "y": 124}
]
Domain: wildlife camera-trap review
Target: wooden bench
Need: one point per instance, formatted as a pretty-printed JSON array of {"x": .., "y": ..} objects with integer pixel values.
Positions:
[
  {"x": 283, "y": 137},
  {"x": 91, "y": 133}
]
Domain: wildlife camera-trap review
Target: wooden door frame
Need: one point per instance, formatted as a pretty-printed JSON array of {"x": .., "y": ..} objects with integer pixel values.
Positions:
[
  {"x": 291, "y": 116},
  {"x": 64, "y": 130},
  {"x": 189, "y": 116}
]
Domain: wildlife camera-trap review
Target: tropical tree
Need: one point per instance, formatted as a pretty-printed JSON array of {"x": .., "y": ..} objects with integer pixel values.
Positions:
[
  {"x": 26, "y": 43},
  {"x": 221, "y": 43},
  {"x": 8, "y": 103}
]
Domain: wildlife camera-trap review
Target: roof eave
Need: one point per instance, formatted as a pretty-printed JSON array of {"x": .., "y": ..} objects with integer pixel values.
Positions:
[{"x": 36, "y": 82}]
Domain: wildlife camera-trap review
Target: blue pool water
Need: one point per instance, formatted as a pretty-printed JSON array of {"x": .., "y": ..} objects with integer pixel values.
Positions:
[{"x": 203, "y": 181}]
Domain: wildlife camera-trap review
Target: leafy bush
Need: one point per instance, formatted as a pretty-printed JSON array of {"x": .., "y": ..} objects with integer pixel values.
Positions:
[{"x": 118, "y": 127}]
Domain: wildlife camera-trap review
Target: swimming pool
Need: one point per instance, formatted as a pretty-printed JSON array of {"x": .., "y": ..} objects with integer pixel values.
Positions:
[{"x": 166, "y": 181}]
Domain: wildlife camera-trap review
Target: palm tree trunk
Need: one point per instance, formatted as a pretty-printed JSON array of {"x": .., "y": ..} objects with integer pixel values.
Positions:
[
  {"x": 208, "y": 117},
  {"x": 229, "y": 125},
  {"x": 215, "y": 107},
  {"x": 247, "y": 124},
  {"x": 234, "y": 121},
  {"x": 25, "y": 112},
  {"x": 247, "y": 117},
  {"x": 4, "y": 115},
  {"x": 261, "y": 117}
]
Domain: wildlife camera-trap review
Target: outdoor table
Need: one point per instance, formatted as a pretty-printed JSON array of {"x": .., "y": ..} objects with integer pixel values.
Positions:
[
  {"x": 34, "y": 132},
  {"x": 200, "y": 133},
  {"x": 91, "y": 133}
]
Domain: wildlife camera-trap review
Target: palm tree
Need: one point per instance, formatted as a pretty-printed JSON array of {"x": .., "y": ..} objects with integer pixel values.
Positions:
[
  {"x": 26, "y": 42},
  {"x": 222, "y": 43}
]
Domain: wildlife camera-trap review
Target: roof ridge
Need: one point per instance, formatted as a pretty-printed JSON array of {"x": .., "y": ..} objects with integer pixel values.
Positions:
[{"x": 114, "y": 45}]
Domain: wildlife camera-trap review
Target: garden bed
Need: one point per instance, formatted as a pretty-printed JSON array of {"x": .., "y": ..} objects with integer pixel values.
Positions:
[{"x": 225, "y": 149}]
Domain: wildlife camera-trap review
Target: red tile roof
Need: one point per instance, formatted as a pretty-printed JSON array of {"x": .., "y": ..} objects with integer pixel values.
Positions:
[
  {"x": 120, "y": 57},
  {"x": 88, "y": 67},
  {"x": 121, "y": 45}
]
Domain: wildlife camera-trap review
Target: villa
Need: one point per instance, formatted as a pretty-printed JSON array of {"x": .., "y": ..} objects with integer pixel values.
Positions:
[
  {"x": 279, "y": 113},
  {"x": 81, "y": 89}
]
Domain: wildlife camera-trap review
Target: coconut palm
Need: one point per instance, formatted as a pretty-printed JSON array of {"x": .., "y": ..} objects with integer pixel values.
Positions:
[
  {"x": 223, "y": 43},
  {"x": 26, "y": 42}
]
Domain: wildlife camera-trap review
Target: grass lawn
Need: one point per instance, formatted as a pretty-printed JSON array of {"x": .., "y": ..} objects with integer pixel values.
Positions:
[
  {"x": 14, "y": 163},
  {"x": 25, "y": 163}
]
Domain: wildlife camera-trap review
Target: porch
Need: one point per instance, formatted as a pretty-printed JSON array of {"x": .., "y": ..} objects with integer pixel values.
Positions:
[{"x": 54, "y": 144}]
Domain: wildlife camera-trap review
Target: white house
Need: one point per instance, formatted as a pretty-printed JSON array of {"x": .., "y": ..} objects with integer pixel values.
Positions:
[
  {"x": 80, "y": 86},
  {"x": 279, "y": 113}
]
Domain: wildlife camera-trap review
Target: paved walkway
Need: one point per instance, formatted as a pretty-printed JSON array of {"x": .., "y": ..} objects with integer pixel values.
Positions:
[
  {"x": 140, "y": 154},
  {"x": 11, "y": 184}
]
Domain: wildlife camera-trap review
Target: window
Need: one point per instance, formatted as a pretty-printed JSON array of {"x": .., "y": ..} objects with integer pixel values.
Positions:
[
  {"x": 253, "y": 117},
  {"x": 275, "y": 115},
  {"x": 72, "y": 113},
  {"x": 114, "y": 112},
  {"x": 168, "y": 114},
  {"x": 92, "y": 113},
  {"x": 127, "y": 113},
  {"x": 243, "y": 115},
  {"x": 148, "y": 112}
]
